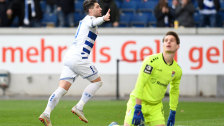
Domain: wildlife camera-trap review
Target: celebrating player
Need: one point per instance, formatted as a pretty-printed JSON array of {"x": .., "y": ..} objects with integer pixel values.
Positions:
[
  {"x": 157, "y": 71},
  {"x": 76, "y": 62}
]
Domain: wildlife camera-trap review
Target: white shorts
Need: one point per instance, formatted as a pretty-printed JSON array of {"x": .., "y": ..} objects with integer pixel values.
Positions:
[{"x": 75, "y": 66}]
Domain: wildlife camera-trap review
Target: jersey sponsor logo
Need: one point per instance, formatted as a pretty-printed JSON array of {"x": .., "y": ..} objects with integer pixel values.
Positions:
[
  {"x": 173, "y": 73},
  {"x": 153, "y": 80},
  {"x": 154, "y": 59},
  {"x": 148, "y": 69},
  {"x": 162, "y": 84}
]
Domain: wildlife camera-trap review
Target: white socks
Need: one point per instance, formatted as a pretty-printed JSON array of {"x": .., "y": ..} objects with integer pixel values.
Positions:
[
  {"x": 54, "y": 99},
  {"x": 88, "y": 93}
]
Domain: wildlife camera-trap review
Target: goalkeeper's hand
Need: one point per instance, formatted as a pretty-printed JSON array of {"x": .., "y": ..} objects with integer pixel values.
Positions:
[
  {"x": 171, "y": 119},
  {"x": 138, "y": 116}
]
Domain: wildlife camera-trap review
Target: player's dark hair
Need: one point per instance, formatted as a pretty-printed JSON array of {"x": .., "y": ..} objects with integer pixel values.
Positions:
[
  {"x": 173, "y": 34},
  {"x": 87, "y": 4}
]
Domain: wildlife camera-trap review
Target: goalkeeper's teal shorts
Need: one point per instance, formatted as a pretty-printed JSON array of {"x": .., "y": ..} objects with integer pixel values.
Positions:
[{"x": 153, "y": 113}]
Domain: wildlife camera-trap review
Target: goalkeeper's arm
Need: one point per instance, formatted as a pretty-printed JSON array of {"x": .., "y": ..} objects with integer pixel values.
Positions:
[
  {"x": 138, "y": 116},
  {"x": 138, "y": 101}
]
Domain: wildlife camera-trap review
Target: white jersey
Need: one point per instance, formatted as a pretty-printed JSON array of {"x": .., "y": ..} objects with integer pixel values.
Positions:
[
  {"x": 76, "y": 59},
  {"x": 86, "y": 35}
]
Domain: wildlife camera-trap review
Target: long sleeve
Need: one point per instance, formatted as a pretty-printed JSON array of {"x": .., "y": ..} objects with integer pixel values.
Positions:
[
  {"x": 95, "y": 21},
  {"x": 143, "y": 78},
  {"x": 174, "y": 91}
]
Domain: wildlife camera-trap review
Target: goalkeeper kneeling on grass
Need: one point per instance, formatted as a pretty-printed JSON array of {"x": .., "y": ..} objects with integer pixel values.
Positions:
[{"x": 157, "y": 71}]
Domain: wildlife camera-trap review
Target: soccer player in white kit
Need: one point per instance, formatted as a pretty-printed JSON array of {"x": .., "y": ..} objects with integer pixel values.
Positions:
[{"x": 76, "y": 62}]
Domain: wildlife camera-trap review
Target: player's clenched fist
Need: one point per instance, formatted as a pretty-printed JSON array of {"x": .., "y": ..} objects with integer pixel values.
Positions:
[{"x": 107, "y": 16}]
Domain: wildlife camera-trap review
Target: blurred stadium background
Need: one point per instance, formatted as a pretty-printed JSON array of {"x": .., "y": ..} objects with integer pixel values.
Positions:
[
  {"x": 31, "y": 62},
  {"x": 133, "y": 13}
]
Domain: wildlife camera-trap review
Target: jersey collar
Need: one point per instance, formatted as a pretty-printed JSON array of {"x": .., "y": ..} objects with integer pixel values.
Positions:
[{"x": 165, "y": 61}]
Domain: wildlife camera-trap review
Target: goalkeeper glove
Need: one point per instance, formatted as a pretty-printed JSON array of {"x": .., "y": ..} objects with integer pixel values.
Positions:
[
  {"x": 138, "y": 116},
  {"x": 171, "y": 119}
]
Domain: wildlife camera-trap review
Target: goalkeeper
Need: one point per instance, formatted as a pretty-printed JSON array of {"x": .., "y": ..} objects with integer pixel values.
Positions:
[{"x": 157, "y": 71}]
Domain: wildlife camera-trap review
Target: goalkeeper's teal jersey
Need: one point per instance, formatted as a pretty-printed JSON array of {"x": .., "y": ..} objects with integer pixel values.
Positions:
[{"x": 153, "y": 79}]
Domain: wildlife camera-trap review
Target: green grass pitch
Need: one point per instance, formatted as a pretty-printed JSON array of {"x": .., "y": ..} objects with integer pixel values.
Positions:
[{"x": 102, "y": 113}]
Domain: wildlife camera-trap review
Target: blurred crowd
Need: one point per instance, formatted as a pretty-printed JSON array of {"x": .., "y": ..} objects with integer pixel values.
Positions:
[
  {"x": 67, "y": 13},
  {"x": 189, "y": 13},
  {"x": 35, "y": 13}
]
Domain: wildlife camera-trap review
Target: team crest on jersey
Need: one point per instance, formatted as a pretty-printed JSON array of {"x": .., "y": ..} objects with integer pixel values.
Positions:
[
  {"x": 173, "y": 73},
  {"x": 148, "y": 69}
]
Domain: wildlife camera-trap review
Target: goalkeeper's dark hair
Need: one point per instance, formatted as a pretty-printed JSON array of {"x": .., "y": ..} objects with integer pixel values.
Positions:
[
  {"x": 173, "y": 34},
  {"x": 87, "y": 4}
]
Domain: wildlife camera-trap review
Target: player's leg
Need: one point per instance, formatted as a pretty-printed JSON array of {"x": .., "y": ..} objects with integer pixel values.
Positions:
[
  {"x": 53, "y": 101},
  {"x": 153, "y": 114},
  {"x": 67, "y": 77},
  {"x": 88, "y": 72},
  {"x": 56, "y": 95},
  {"x": 157, "y": 123},
  {"x": 156, "y": 117},
  {"x": 87, "y": 94}
]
